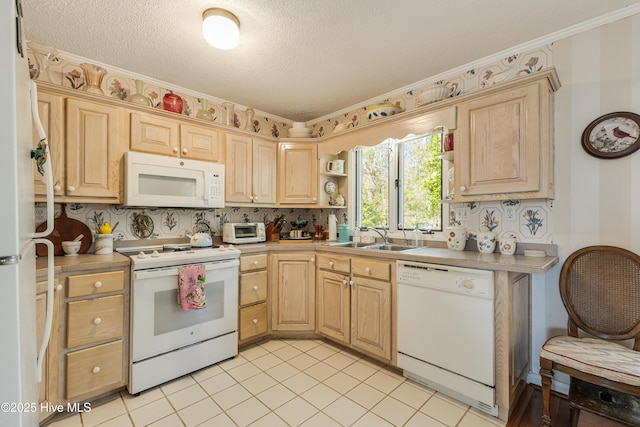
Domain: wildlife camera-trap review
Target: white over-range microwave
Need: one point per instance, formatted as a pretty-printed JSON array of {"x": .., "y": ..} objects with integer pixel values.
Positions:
[{"x": 159, "y": 181}]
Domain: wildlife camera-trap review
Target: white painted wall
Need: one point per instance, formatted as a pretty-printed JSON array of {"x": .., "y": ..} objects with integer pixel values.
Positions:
[{"x": 597, "y": 201}]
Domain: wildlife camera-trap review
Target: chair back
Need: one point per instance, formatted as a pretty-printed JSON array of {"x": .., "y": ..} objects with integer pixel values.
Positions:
[{"x": 600, "y": 288}]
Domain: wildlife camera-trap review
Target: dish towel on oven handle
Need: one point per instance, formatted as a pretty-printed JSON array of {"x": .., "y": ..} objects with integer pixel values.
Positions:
[{"x": 191, "y": 280}]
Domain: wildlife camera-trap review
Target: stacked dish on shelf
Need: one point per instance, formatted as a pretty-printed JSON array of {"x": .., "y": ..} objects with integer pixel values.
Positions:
[{"x": 299, "y": 130}]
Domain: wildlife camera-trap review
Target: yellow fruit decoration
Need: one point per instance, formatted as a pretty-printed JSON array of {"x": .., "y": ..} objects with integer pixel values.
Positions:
[{"x": 105, "y": 228}]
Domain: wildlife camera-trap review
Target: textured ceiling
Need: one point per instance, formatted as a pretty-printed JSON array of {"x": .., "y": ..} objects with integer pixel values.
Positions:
[{"x": 300, "y": 59}]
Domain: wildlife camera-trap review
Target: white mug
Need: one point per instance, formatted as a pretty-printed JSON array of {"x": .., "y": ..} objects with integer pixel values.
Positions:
[
  {"x": 486, "y": 242},
  {"x": 335, "y": 166},
  {"x": 456, "y": 238}
]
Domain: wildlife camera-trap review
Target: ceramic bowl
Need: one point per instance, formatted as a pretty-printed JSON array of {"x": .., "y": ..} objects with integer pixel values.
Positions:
[
  {"x": 382, "y": 110},
  {"x": 433, "y": 93},
  {"x": 71, "y": 248}
]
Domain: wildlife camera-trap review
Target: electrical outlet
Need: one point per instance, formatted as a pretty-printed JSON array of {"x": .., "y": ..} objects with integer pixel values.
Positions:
[
  {"x": 510, "y": 213},
  {"x": 464, "y": 213}
]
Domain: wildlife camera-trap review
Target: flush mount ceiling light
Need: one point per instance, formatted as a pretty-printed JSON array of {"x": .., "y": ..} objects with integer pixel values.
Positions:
[{"x": 221, "y": 28}]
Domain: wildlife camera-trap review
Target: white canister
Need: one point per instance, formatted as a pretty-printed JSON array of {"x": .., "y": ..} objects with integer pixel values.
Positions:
[
  {"x": 507, "y": 244},
  {"x": 486, "y": 242},
  {"x": 456, "y": 238},
  {"x": 104, "y": 244},
  {"x": 335, "y": 166}
]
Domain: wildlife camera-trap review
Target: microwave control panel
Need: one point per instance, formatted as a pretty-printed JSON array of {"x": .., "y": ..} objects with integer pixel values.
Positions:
[{"x": 216, "y": 186}]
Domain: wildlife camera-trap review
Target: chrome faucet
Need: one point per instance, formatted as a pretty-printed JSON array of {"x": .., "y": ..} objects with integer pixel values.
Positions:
[{"x": 385, "y": 236}]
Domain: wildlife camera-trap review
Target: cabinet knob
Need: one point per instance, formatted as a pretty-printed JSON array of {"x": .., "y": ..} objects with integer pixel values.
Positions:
[
  {"x": 315, "y": 199},
  {"x": 312, "y": 260},
  {"x": 255, "y": 287},
  {"x": 255, "y": 321},
  {"x": 255, "y": 263},
  {"x": 97, "y": 321},
  {"x": 96, "y": 369},
  {"x": 255, "y": 198},
  {"x": 367, "y": 270},
  {"x": 175, "y": 150},
  {"x": 97, "y": 285},
  {"x": 71, "y": 189},
  {"x": 250, "y": 197},
  {"x": 464, "y": 188},
  {"x": 184, "y": 151},
  {"x": 59, "y": 288},
  {"x": 344, "y": 282},
  {"x": 57, "y": 187},
  {"x": 351, "y": 282},
  {"x": 330, "y": 263}
]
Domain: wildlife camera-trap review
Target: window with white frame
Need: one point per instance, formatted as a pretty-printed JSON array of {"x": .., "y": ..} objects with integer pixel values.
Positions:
[{"x": 399, "y": 183}]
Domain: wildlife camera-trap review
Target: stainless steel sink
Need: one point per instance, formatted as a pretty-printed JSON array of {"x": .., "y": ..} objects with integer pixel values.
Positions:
[
  {"x": 374, "y": 246},
  {"x": 390, "y": 247},
  {"x": 352, "y": 244}
]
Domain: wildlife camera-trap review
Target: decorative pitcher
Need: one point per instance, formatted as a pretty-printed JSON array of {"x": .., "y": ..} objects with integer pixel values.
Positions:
[{"x": 93, "y": 75}]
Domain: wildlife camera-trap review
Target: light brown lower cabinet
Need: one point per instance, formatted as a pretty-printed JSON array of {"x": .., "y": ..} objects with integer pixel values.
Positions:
[
  {"x": 48, "y": 387},
  {"x": 293, "y": 287},
  {"x": 253, "y": 316},
  {"x": 95, "y": 347},
  {"x": 354, "y": 303}
]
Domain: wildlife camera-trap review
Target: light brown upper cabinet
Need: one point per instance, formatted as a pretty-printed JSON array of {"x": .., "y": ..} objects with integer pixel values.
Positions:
[
  {"x": 504, "y": 141},
  {"x": 51, "y": 111},
  {"x": 250, "y": 170},
  {"x": 298, "y": 173},
  {"x": 164, "y": 136},
  {"x": 93, "y": 151}
]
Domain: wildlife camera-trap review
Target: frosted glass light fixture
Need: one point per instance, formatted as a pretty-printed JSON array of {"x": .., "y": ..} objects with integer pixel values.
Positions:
[{"x": 220, "y": 28}]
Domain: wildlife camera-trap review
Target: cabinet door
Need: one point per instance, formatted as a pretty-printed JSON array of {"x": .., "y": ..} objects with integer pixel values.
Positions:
[
  {"x": 200, "y": 143},
  {"x": 298, "y": 177},
  {"x": 238, "y": 164},
  {"x": 264, "y": 171},
  {"x": 92, "y": 150},
  {"x": 48, "y": 387},
  {"x": 156, "y": 135},
  {"x": 333, "y": 305},
  {"x": 50, "y": 108},
  {"x": 293, "y": 292},
  {"x": 499, "y": 145},
  {"x": 371, "y": 316}
]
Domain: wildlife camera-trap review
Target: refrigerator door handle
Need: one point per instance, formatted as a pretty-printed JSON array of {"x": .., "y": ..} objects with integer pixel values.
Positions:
[
  {"x": 49, "y": 316},
  {"x": 48, "y": 173}
]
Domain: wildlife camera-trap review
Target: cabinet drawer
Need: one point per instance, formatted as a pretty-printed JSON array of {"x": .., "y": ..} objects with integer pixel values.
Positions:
[
  {"x": 333, "y": 263},
  {"x": 369, "y": 268},
  {"x": 94, "y": 320},
  {"x": 95, "y": 284},
  {"x": 94, "y": 368},
  {"x": 253, "y": 262},
  {"x": 253, "y": 321},
  {"x": 253, "y": 287}
]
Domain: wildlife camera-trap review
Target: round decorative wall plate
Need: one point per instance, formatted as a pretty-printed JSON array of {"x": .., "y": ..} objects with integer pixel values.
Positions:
[
  {"x": 330, "y": 187},
  {"x": 612, "y": 135}
]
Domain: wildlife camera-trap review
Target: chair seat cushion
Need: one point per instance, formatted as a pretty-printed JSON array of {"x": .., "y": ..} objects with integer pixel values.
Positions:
[{"x": 596, "y": 357}]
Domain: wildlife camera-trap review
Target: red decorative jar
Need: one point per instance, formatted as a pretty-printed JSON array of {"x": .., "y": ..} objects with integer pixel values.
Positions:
[{"x": 172, "y": 102}]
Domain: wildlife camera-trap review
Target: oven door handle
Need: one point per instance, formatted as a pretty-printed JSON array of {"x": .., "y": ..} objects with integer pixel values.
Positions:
[{"x": 173, "y": 271}]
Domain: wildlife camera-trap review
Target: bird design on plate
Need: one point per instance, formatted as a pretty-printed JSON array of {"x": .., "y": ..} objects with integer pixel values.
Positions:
[{"x": 614, "y": 135}]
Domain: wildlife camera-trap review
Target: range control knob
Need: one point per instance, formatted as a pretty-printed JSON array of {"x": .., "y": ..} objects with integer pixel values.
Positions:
[
  {"x": 155, "y": 254},
  {"x": 142, "y": 255}
]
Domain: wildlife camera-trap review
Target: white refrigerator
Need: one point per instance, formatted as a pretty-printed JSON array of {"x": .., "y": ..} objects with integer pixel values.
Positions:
[{"x": 19, "y": 350}]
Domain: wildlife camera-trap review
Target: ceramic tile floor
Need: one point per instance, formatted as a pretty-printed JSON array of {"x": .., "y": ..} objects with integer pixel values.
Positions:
[{"x": 286, "y": 383}]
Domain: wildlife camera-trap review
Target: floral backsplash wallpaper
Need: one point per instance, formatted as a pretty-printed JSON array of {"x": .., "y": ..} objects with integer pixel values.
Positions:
[{"x": 528, "y": 220}]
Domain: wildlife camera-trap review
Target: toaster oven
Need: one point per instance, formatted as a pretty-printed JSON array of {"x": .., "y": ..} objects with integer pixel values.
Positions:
[{"x": 243, "y": 232}]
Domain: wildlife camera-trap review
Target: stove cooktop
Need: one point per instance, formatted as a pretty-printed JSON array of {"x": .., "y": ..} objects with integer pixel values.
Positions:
[{"x": 167, "y": 255}]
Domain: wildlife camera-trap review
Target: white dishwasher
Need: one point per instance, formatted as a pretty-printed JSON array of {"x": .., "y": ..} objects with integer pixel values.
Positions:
[{"x": 446, "y": 337}]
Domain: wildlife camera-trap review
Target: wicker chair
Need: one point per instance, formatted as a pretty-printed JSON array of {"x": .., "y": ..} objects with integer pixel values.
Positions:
[{"x": 600, "y": 289}]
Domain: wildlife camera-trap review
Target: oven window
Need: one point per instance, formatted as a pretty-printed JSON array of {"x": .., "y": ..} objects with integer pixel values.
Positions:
[
  {"x": 246, "y": 231},
  {"x": 169, "y": 317},
  {"x": 157, "y": 185}
]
